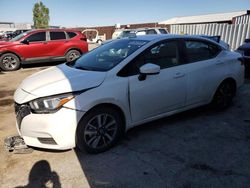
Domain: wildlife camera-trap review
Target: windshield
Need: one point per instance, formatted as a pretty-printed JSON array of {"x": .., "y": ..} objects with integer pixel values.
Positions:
[
  {"x": 108, "y": 55},
  {"x": 19, "y": 36}
]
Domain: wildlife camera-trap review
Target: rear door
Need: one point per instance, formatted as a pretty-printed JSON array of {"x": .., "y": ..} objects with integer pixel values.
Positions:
[
  {"x": 205, "y": 69},
  {"x": 37, "y": 47},
  {"x": 57, "y": 43}
]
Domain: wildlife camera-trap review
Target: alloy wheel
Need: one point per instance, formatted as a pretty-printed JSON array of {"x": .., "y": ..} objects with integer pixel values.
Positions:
[
  {"x": 100, "y": 131},
  {"x": 9, "y": 62},
  {"x": 225, "y": 94},
  {"x": 73, "y": 55}
]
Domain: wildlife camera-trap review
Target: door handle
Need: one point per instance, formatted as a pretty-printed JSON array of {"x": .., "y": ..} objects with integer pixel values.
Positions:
[{"x": 179, "y": 75}]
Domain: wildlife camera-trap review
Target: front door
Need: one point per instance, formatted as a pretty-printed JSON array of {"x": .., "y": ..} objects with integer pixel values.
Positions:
[
  {"x": 57, "y": 43},
  {"x": 160, "y": 93},
  {"x": 37, "y": 47}
]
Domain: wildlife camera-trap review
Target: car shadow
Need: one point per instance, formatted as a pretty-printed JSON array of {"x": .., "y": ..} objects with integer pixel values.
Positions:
[
  {"x": 42, "y": 176},
  {"x": 177, "y": 151}
]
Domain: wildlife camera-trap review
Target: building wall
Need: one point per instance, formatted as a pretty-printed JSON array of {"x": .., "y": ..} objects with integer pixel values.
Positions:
[
  {"x": 245, "y": 19},
  {"x": 23, "y": 26},
  {"x": 14, "y": 26},
  {"x": 233, "y": 34},
  {"x": 7, "y": 26}
]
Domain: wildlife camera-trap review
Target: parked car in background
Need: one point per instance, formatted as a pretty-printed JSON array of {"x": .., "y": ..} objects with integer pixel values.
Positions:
[
  {"x": 45, "y": 45},
  {"x": 122, "y": 33},
  {"x": 18, "y": 32},
  {"x": 91, "y": 102},
  {"x": 150, "y": 31},
  {"x": 1, "y": 33},
  {"x": 5, "y": 35},
  {"x": 93, "y": 36},
  {"x": 244, "y": 49}
]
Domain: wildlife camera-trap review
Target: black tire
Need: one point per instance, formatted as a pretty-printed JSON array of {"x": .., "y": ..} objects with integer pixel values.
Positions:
[
  {"x": 9, "y": 62},
  {"x": 99, "y": 41},
  {"x": 224, "y": 95},
  {"x": 99, "y": 130},
  {"x": 72, "y": 55}
]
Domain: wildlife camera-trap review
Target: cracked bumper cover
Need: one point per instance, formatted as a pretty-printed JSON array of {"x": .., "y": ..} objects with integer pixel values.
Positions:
[{"x": 59, "y": 127}]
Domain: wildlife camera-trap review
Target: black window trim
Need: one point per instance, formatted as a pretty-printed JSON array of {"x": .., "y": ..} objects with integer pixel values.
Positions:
[
  {"x": 66, "y": 36},
  {"x": 32, "y": 42},
  {"x": 183, "y": 46},
  {"x": 181, "y": 57}
]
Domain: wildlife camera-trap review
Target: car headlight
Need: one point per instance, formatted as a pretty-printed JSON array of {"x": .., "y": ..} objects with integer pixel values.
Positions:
[{"x": 50, "y": 104}]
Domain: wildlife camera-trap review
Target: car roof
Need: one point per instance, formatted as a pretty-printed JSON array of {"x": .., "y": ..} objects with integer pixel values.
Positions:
[
  {"x": 168, "y": 36},
  {"x": 69, "y": 30},
  {"x": 148, "y": 28},
  {"x": 153, "y": 37}
]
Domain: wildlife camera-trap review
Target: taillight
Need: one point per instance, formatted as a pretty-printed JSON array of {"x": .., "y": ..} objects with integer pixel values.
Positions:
[{"x": 84, "y": 39}]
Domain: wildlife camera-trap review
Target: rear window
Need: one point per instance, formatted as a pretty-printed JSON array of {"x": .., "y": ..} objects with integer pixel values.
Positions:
[
  {"x": 199, "y": 51},
  {"x": 151, "y": 31},
  {"x": 71, "y": 34},
  {"x": 57, "y": 35}
]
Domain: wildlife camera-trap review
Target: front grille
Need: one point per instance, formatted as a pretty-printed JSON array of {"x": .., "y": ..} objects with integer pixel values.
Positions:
[
  {"x": 21, "y": 111},
  {"x": 47, "y": 141}
]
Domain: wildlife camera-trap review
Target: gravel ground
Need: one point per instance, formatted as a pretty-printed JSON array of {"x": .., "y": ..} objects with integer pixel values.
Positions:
[{"x": 198, "y": 148}]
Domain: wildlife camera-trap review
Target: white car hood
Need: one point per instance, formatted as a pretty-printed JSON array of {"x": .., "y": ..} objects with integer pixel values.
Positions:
[{"x": 57, "y": 80}]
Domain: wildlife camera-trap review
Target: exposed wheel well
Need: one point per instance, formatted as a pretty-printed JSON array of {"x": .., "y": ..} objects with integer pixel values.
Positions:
[
  {"x": 9, "y": 52},
  {"x": 74, "y": 49},
  {"x": 231, "y": 80},
  {"x": 114, "y": 107}
]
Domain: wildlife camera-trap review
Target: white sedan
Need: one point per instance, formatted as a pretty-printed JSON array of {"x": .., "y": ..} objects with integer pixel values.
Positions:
[{"x": 91, "y": 102}]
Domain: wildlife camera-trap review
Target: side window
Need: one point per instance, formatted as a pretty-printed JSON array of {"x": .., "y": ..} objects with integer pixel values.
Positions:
[
  {"x": 142, "y": 32},
  {"x": 164, "y": 54},
  {"x": 55, "y": 35},
  {"x": 199, "y": 51},
  {"x": 163, "y": 31},
  {"x": 37, "y": 37},
  {"x": 151, "y": 31},
  {"x": 71, "y": 34}
]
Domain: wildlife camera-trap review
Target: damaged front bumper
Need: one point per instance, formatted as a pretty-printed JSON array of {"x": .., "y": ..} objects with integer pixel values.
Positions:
[{"x": 16, "y": 144}]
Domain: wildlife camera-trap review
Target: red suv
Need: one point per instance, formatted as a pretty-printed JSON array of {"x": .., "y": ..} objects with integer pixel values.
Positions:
[{"x": 45, "y": 45}]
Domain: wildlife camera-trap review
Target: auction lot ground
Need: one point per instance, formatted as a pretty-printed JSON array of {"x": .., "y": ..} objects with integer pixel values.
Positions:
[{"x": 198, "y": 148}]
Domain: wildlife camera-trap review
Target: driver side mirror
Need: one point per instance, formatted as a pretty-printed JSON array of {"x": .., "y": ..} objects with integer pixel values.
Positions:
[
  {"x": 25, "y": 42},
  {"x": 148, "y": 69}
]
